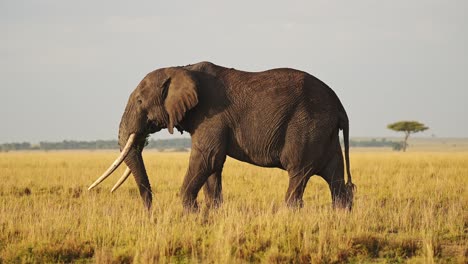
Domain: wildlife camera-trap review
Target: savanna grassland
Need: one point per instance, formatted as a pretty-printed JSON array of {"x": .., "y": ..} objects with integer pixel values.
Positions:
[{"x": 409, "y": 207}]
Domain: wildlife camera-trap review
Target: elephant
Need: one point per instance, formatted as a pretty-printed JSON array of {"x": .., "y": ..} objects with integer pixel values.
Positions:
[{"x": 282, "y": 118}]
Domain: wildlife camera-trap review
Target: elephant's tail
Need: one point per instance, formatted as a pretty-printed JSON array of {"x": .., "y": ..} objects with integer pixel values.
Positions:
[{"x": 344, "y": 125}]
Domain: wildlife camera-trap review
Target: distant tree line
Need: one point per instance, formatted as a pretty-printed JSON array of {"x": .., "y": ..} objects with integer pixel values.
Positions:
[
  {"x": 375, "y": 143},
  {"x": 178, "y": 144}
]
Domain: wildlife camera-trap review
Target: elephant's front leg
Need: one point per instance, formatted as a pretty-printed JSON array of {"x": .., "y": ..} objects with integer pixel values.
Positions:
[
  {"x": 213, "y": 190},
  {"x": 203, "y": 163}
]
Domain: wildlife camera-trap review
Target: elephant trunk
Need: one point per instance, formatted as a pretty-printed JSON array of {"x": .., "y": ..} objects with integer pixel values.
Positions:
[{"x": 134, "y": 161}]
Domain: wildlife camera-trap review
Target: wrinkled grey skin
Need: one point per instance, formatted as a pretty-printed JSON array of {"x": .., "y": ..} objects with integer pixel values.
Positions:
[{"x": 281, "y": 118}]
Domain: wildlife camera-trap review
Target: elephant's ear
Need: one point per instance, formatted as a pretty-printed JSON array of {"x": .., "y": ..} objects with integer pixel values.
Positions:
[{"x": 180, "y": 95}]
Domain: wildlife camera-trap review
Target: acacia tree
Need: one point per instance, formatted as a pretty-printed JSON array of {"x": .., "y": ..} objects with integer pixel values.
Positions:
[{"x": 408, "y": 127}]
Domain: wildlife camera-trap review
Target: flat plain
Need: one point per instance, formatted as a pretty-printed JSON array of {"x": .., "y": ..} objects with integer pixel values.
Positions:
[{"x": 409, "y": 208}]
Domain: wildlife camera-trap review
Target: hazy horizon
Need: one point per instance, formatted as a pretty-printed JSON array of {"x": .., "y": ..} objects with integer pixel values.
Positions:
[
  {"x": 167, "y": 136},
  {"x": 67, "y": 68}
]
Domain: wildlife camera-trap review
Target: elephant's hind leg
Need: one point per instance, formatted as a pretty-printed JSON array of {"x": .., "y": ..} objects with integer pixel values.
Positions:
[
  {"x": 297, "y": 184},
  {"x": 213, "y": 190},
  {"x": 333, "y": 174}
]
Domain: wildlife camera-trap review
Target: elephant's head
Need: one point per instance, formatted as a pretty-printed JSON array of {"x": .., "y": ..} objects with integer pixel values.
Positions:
[{"x": 161, "y": 100}]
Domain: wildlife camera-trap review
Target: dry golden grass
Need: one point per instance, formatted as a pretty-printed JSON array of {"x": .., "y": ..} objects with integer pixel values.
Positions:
[{"x": 410, "y": 207}]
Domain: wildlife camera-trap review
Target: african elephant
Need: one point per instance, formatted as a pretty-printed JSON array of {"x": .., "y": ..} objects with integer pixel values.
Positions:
[{"x": 281, "y": 118}]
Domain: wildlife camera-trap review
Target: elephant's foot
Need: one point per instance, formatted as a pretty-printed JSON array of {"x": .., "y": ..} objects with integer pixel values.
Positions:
[
  {"x": 214, "y": 203},
  {"x": 190, "y": 204},
  {"x": 339, "y": 204},
  {"x": 295, "y": 203},
  {"x": 342, "y": 202},
  {"x": 343, "y": 196}
]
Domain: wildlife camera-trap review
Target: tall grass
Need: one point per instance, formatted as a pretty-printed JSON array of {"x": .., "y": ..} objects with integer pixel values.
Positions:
[{"x": 409, "y": 207}]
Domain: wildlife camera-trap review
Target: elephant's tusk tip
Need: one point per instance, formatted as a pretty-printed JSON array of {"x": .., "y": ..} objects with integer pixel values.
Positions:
[{"x": 117, "y": 162}]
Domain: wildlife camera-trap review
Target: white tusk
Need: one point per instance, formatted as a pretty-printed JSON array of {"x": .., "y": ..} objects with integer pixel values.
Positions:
[
  {"x": 116, "y": 163},
  {"x": 122, "y": 179}
]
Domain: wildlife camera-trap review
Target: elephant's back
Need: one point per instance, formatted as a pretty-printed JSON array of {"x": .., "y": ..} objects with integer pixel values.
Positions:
[
  {"x": 277, "y": 90},
  {"x": 264, "y": 106}
]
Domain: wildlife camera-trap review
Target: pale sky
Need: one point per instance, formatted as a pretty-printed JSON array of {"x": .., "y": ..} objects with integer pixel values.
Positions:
[{"x": 68, "y": 67}]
